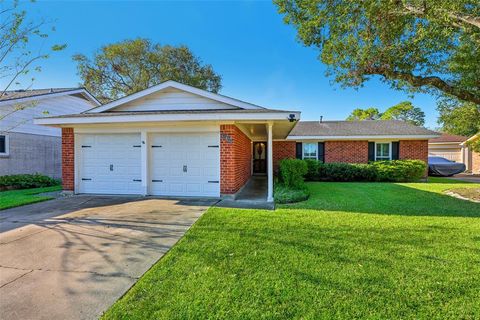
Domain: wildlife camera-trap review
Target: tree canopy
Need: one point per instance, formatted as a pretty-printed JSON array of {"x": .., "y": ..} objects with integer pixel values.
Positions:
[
  {"x": 364, "y": 114},
  {"x": 414, "y": 45},
  {"x": 404, "y": 111},
  {"x": 129, "y": 66},
  {"x": 463, "y": 119}
]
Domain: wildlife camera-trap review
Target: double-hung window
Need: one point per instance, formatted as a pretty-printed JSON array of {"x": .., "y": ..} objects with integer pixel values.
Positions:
[
  {"x": 383, "y": 151},
  {"x": 310, "y": 151},
  {"x": 3, "y": 145}
]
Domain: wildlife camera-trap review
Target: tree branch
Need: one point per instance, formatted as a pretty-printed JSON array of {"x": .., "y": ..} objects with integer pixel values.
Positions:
[
  {"x": 419, "y": 81},
  {"x": 421, "y": 12}
]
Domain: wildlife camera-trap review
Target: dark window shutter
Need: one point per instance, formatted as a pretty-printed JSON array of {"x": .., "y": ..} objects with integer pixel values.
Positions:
[
  {"x": 371, "y": 151},
  {"x": 321, "y": 152},
  {"x": 298, "y": 150},
  {"x": 395, "y": 150}
]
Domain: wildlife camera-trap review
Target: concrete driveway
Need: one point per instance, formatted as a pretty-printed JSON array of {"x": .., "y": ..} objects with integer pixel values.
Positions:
[{"x": 71, "y": 258}]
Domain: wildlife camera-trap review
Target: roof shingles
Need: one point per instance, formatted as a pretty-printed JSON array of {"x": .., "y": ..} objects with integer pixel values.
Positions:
[
  {"x": 19, "y": 94},
  {"x": 357, "y": 128}
]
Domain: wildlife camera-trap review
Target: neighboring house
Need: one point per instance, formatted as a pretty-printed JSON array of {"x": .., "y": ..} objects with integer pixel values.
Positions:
[
  {"x": 451, "y": 147},
  {"x": 177, "y": 140},
  {"x": 29, "y": 148},
  {"x": 474, "y": 156}
]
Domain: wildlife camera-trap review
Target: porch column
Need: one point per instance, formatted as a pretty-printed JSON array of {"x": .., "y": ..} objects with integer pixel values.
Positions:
[
  {"x": 144, "y": 161},
  {"x": 270, "y": 162}
]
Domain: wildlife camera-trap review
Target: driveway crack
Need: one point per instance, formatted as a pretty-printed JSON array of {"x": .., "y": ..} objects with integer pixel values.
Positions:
[{"x": 21, "y": 276}]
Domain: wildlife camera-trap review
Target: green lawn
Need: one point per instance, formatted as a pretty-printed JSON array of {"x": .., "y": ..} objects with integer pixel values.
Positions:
[
  {"x": 353, "y": 250},
  {"x": 15, "y": 198}
]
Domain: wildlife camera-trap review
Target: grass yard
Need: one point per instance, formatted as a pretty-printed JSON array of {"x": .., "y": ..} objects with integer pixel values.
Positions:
[
  {"x": 15, "y": 198},
  {"x": 353, "y": 250}
]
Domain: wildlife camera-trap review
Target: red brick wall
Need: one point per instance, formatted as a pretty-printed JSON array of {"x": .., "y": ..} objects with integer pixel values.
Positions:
[
  {"x": 282, "y": 150},
  {"x": 235, "y": 159},
  {"x": 414, "y": 149},
  {"x": 68, "y": 156},
  {"x": 346, "y": 151},
  {"x": 351, "y": 151}
]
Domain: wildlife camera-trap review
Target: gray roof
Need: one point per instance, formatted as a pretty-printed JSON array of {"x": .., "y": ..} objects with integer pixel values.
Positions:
[
  {"x": 358, "y": 128},
  {"x": 88, "y": 114},
  {"x": 18, "y": 94}
]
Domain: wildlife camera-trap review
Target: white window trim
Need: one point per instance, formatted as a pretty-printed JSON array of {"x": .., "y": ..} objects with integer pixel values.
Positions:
[
  {"x": 7, "y": 146},
  {"x": 303, "y": 150},
  {"x": 389, "y": 149}
]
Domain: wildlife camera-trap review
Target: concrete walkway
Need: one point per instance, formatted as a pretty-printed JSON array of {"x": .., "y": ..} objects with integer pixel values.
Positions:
[{"x": 71, "y": 258}]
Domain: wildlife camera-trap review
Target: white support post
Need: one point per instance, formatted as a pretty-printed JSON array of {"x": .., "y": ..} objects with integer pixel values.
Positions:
[
  {"x": 144, "y": 161},
  {"x": 270, "y": 162}
]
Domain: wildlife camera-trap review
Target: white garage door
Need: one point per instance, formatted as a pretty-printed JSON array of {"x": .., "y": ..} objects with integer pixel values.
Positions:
[
  {"x": 185, "y": 164},
  {"x": 110, "y": 164}
]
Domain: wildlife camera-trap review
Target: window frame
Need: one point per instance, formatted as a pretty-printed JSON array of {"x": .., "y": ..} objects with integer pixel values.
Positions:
[
  {"x": 7, "y": 146},
  {"x": 389, "y": 150},
  {"x": 316, "y": 151}
]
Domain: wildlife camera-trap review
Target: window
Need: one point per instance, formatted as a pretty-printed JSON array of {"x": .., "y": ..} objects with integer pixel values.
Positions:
[
  {"x": 310, "y": 151},
  {"x": 383, "y": 151},
  {"x": 3, "y": 145}
]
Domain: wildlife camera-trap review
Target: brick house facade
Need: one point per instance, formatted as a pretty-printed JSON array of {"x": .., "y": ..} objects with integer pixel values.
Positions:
[
  {"x": 346, "y": 151},
  {"x": 68, "y": 159},
  {"x": 235, "y": 159},
  {"x": 282, "y": 150},
  {"x": 236, "y": 155}
]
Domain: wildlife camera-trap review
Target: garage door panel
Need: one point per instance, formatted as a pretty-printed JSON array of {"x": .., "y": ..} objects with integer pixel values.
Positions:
[
  {"x": 111, "y": 163},
  {"x": 191, "y": 150}
]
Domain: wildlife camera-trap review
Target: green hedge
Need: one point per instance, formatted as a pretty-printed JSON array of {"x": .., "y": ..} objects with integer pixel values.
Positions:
[
  {"x": 393, "y": 171},
  {"x": 400, "y": 170},
  {"x": 26, "y": 181},
  {"x": 292, "y": 173}
]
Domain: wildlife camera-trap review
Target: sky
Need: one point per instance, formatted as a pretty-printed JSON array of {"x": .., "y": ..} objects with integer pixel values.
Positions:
[{"x": 246, "y": 42}]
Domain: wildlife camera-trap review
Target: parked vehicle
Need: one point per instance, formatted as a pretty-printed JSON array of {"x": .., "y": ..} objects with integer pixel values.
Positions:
[{"x": 438, "y": 166}]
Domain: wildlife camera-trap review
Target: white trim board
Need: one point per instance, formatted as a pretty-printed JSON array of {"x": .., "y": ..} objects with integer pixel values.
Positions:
[
  {"x": 370, "y": 138},
  {"x": 179, "y": 86},
  {"x": 166, "y": 117}
]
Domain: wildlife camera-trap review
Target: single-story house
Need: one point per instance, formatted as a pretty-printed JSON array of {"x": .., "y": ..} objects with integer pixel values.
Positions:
[
  {"x": 176, "y": 140},
  {"x": 451, "y": 147},
  {"x": 29, "y": 148}
]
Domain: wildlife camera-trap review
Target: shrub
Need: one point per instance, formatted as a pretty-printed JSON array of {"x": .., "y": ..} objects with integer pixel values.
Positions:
[
  {"x": 400, "y": 170},
  {"x": 346, "y": 172},
  {"x": 286, "y": 195},
  {"x": 393, "y": 171},
  {"x": 312, "y": 170},
  {"x": 26, "y": 181},
  {"x": 292, "y": 172}
]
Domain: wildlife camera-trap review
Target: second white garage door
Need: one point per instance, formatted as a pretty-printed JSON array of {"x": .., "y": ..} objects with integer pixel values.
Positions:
[{"x": 185, "y": 164}]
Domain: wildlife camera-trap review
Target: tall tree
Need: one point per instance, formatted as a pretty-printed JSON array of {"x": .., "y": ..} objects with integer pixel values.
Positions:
[
  {"x": 364, "y": 114},
  {"x": 405, "y": 111},
  {"x": 462, "y": 119},
  {"x": 126, "y": 67},
  {"x": 414, "y": 45}
]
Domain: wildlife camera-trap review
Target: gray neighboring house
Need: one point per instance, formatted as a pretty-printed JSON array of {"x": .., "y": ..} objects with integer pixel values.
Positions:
[{"x": 29, "y": 148}]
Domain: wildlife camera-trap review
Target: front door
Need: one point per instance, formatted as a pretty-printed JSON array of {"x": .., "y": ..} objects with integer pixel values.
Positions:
[{"x": 259, "y": 157}]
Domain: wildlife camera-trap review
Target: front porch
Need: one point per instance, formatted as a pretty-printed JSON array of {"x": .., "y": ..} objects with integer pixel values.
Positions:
[
  {"x": 253, "y": 195},
  {"x": 261, "y": 135}
]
